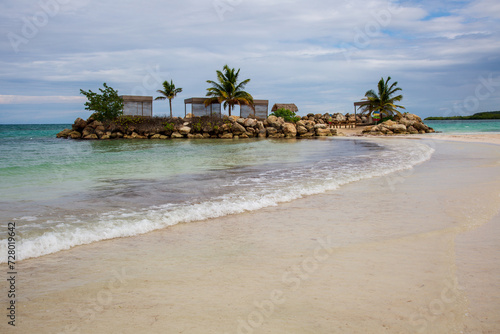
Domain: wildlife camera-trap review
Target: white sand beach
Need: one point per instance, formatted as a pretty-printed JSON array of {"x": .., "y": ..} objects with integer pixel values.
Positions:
[{"x": 413, "y": 252}]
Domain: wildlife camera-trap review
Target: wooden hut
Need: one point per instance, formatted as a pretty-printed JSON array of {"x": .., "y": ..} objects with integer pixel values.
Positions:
[
  {"x": 137, "y": 105},
  {"x": 198, "y": 107},
  {"x": 261, "y": 107},
  {"x": 290, "y": 106}
]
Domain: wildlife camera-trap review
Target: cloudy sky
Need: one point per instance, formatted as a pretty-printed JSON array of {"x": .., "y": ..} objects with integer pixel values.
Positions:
[{"x": 321, "y": 55}]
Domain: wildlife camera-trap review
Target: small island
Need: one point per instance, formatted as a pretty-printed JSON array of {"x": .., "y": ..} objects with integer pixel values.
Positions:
[
  {"x": 109, "y": 121},
  {"x": 477, "y": 116}
]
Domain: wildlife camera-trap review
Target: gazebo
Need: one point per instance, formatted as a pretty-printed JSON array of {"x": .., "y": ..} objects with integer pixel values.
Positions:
[
  {"x": 198, "y": 107},
  {"x": 261, "y": 107},
  {"x": 137, "y": 105},
  {"x": 358, "y": 105}
]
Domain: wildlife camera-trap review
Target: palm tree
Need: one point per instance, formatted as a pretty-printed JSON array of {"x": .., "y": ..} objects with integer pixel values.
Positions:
[
  {"x": 169, "y": 92},
  {"x": 228, "y": 90},
  {"x": 384, "y": 101}
]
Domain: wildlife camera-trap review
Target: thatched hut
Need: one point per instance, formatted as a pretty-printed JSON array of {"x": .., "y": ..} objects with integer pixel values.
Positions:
[{"x": 289, "y": 106}]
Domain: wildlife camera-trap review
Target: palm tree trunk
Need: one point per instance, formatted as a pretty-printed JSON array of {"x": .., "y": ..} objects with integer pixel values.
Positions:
[
  {"x": 229, "y": 110},
  {"x": 170, "y": 103}
]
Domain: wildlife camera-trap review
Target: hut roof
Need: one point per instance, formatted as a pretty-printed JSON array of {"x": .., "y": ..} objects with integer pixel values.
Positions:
[{"x": 289, "y": 106}]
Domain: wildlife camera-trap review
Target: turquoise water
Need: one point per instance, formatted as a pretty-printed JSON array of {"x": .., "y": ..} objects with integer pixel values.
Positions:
[
  {"x": 472, "y": 126},
  {"x": 62, "y": 193}
]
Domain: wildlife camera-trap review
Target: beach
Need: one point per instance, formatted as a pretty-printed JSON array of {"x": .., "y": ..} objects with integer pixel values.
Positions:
[{"x": 414, "y": 251}]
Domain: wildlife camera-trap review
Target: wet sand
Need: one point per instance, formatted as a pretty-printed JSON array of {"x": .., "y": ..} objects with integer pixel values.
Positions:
[{"x": 413, "y": 252}]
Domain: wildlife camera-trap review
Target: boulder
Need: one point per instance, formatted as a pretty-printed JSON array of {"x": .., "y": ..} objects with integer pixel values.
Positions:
[
  {"x": 233, "y": 118},
  {"x": 271, "y": 131},
  {"x": 389, "y": 124},
  {"x": 320, "y": 126},
  {"x": 91, "y": 136},
  {"x": 184, "y": 130},
  {"x": 310, "y": 126},
  {"x": 88, "y": 131},
  {"x": 261, "y": 126},
  {"x": 249, "y": 122},
  {"x": 135, "y": 135},
  {"x": 113, "y": 127},
  {"x": 95, "y": 124},
  {"x": 241, "y": 121},
  {"x": 176, "y": 135},
  {"x": 321, "y": 132},
  {"x": 289, "y": 130},
  {"x": 237, "y": 128},
  {"x": 79, "y": 124},
  {"x": 275, "y": 122},
  {"x": 398, "y": 128},
  {"x": 75, "y": 135},
  {"x": 412, "y": 130},
  {"x": 339, "y": 117},
  {"x": 190, "y": 115},
  {"x": 227, "y": 135},
  {"x": 300, "y": 123},
  {"x": 64, "y": 133},
  {"x": 156, "y": 136},
  {"x": 301, "y": 130},
  {"x": 262, "y": 133}
]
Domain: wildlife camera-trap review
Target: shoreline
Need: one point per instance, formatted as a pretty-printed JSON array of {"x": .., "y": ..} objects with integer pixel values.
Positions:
[
  {"x": 486, "y": 138},
  {"x": 325, "y": 263}
]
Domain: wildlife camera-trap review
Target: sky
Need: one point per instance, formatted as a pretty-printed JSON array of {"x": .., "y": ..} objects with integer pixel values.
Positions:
[{"x": 321, "y": 55}]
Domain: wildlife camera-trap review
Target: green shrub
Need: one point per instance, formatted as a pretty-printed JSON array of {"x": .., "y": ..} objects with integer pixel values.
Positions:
[
  {"x": 288, "y": 115},
  {"x": 107, "y": 105},
  {"x": 169, "y": 126}
]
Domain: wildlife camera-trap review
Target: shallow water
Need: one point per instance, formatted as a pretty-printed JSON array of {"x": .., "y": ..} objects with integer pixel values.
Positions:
[
  {"x": 64, "y": 193},
  {"x": 466, "y": 126}
]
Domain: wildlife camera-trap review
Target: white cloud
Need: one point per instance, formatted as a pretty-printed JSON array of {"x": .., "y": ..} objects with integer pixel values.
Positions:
[
  {"x": 22, "y": 99},
  {"x": 285, "y": 47}
]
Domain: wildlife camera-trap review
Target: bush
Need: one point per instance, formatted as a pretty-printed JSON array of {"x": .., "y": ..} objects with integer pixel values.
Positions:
[
  {"x": 107, "y": 105},
  {"x": 288, "y": 115}
]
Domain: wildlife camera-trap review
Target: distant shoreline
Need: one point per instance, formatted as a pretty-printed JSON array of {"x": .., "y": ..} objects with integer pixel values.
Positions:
[{"x": 483, "y": 116}]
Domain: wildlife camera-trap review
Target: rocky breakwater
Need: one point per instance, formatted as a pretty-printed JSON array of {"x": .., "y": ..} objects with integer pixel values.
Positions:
[
  {"x": 405, "y": 124},
  {"x": 232, "y": 127}
]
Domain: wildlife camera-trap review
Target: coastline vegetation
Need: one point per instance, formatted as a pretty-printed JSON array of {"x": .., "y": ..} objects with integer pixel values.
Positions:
[
  {"x": 478, "y": 116},
  {"x": 288, "y": 115},
  {"x": 106, "y": 106},
  {"x": 383, "y": 101},
  {"x": 227, "y": 90},
  {"x": 169, "y": 92}
]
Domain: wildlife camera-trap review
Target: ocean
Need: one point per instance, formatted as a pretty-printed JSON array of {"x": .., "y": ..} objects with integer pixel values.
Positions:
[
  {"x": 465, "y": 127},
  {"x": 63, "y": 193}
]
